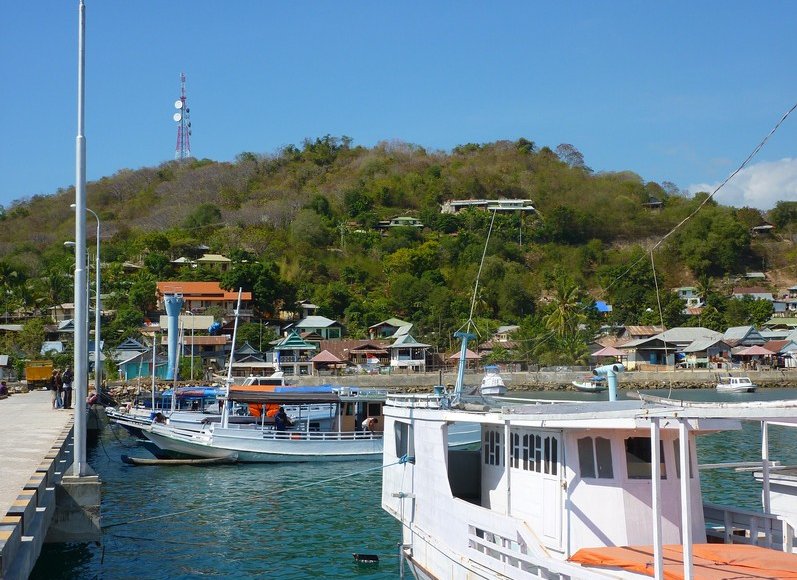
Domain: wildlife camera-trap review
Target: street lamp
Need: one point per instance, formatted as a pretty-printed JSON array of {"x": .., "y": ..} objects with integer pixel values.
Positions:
[{"x": 97, "y": 310}]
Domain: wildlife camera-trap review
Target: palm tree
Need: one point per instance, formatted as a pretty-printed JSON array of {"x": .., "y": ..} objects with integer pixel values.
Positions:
[{"x": 568, "y": 310}]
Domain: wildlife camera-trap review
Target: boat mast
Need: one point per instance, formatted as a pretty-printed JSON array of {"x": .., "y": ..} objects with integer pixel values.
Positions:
[
  {"x": 225, "y": 416},
  {"x": 467, "y": 335},
  {"x": 154, "y": 343}
]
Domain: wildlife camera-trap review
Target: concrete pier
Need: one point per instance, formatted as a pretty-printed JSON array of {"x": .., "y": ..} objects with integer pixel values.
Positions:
[{"x": 36, "y": 452}]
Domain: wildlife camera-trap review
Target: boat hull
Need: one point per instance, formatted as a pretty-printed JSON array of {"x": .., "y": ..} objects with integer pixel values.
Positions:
[
  {"x": 589, "y": 387},
  {"x": 736, "y": 389},
  {"x": 256, "y": 446}
]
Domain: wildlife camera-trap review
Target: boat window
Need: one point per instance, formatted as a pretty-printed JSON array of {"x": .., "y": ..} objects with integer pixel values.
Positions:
[
  {"x": 677, "y": 447},
  {"x": 405, "y": 439},
  {"x": 638, "y": 458},
  {"x": 492, "y": 448},
  {"x": 374, "y": 409},
  {"x": 603, "y": 453},
  {"x": 531, "y": 452},
  {"x": 595, "y": 458},
  {"x": 515, "y": 459},
  {"x": 586, "y": 457}
]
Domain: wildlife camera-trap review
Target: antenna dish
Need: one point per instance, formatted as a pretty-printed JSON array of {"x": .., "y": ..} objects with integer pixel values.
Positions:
[
  {"x": 177, "y": 117},
  {"x": 178, "y": 104}
]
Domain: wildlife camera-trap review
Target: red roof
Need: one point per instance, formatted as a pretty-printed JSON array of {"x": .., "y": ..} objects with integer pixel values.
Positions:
[{"x": 201, "y": 290}]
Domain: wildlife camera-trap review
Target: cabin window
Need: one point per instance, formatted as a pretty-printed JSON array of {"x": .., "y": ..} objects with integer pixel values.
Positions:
[
  {"x": 586, "y": 457},
  {"x": 405, "y": 439},
  {"x": 638, "y": 458},
  {"x": 515, "y": 457},
  {"x": 595, "y": 458},
  {"x": 374, "y": 409},
  {"x": 677, "y": 447},
  {"x": 492, "y": 448},
  {"x": 538, "y": 453}
]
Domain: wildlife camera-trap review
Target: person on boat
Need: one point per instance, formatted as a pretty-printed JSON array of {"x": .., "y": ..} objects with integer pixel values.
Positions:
[
  {"x": 281, "y": 420},
  {"x": 159, "y": 418},
  {"x": 369, "y": 424}
]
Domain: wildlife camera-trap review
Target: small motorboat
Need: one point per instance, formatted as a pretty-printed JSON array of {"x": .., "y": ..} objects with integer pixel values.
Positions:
[
  {"x": 735, "y": 385},
  {"x": 492, "y": 383},
  {"x": 592, "y": 384}
]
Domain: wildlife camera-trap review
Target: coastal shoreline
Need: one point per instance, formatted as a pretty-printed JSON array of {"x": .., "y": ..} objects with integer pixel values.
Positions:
[{"x": 515, "y": 382}]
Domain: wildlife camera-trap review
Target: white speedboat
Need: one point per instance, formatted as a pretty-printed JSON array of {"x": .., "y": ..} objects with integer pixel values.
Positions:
[
  {"x": 572, "y": 491},
  {"x": 492, "y": 383},
  {"x": 593, "y": 384},
  {"x": 735, "y": 385}
]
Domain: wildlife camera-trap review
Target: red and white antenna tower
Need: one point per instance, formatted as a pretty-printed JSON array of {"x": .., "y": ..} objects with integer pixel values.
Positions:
[{"x": 183, "y": 119}]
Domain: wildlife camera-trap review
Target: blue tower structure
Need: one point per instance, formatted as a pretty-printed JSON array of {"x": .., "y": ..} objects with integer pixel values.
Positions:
[{"x": 174, "y": 305}]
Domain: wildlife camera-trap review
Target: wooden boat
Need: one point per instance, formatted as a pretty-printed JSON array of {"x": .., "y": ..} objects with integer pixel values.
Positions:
[
  {"x": 735, "y": 385},
  {"x": 189, "y": 461},
  {"x": 593, "y": 384},
  {"x": 545, "y": 495}
]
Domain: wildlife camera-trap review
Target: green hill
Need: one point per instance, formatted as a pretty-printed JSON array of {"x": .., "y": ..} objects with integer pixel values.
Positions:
[{"x": 304, "y": 224}]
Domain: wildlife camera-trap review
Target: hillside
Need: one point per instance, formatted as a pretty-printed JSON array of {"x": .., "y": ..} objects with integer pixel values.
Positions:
[{"x": 304, "y": 224}]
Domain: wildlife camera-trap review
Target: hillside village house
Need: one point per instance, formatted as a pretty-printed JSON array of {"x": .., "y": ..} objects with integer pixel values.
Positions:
[
  {"x": 322, "y": 326},
  {"x": 408, "y": 354},
  {"x": 662, "y": 350},
  {"x": 392, "y": 327},
  {"x": 756, "y": 292},
  {"x": 501, "y": 205},
  {"x": 293, "y": 355},
  {"x": 199, "y": 296}
]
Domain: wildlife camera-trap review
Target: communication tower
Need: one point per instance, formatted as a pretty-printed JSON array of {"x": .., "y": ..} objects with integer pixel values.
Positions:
[{"x": 183, "y": 119}]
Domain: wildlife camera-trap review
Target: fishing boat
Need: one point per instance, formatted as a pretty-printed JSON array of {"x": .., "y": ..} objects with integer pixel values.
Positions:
[
  {"x": 731, "y": 384},
  {"x": 591, "y": 384},
  {"x": 492, "y": 384},
  {"x": 572, "y": 490},
  {"x": 337, "y": 436}
]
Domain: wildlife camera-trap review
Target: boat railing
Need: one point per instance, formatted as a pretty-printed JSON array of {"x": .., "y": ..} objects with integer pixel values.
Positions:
[
  {"x": 269, "y": 432},
  {"x": 733, "y": 525},
  {"x": 320, "y": 435}
]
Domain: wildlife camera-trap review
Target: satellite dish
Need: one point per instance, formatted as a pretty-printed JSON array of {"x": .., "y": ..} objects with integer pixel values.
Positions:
[
  {"x": 178, "y": 104},
  {"x": 177, "y": 117}
]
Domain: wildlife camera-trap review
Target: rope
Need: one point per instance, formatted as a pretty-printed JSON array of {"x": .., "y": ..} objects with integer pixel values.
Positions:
[
  {"x": 470, "y": 322},
  {"x": 744, "y": 163},
  {"x": 403, "y": 459}
]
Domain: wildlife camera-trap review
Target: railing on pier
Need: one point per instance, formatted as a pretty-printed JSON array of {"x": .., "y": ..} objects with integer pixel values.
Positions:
[{"x": 738, "y": 526}]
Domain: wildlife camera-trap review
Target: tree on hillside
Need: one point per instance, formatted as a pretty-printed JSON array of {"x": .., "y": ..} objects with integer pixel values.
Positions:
[
  {"x": 713, "y": 243},
  {"x": 263, "y": 281}
]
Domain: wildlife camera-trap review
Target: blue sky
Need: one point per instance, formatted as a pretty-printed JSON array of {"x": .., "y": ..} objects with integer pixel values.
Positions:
[{"x": 676, "y": 91}]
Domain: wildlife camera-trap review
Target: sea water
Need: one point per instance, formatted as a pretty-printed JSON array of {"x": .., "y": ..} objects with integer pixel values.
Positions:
[{"x": 294, "y": 521}]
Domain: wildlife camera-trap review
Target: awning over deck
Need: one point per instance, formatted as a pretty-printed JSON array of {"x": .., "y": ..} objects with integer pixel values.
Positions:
[{"x": 711, "y": 561}]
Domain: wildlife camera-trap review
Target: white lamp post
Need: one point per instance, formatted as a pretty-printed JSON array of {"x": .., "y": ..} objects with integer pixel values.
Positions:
[{"x": 97, "y": 310}]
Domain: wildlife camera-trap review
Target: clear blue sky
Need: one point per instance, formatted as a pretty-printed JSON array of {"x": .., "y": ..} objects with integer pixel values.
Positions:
[{"x": 678, "y": 91}]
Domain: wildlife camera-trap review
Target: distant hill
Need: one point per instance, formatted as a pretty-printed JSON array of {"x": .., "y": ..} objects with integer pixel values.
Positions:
[{"x": 312, "y": 214}]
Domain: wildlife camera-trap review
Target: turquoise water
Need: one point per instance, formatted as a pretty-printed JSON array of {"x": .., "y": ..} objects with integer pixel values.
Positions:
[{"x": 298, "y": 521}]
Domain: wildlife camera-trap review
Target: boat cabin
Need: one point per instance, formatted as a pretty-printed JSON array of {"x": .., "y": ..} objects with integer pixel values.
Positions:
[{"x": 582, "y": 486}]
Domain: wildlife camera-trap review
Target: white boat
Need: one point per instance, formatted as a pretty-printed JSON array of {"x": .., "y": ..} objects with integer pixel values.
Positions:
[
  {"x": 492, "y": 383},
  {"x": 735, "y": 385},
  {"x": 572, "y": 491},
  {"x": 593, "y": 384}
]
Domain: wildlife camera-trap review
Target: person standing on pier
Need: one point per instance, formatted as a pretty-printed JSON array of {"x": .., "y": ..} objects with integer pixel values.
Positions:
[
  {"x": 67, "y": 379},
  {"x": 55, "y": 387}
]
